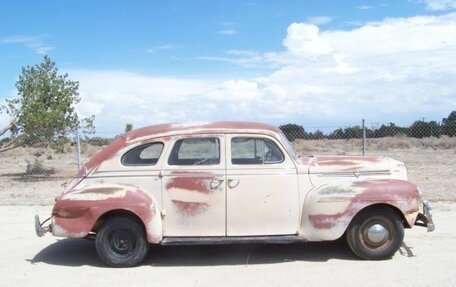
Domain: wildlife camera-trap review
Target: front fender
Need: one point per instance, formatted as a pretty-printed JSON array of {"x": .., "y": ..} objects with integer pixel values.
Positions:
[
  {"x": 329, "y": 208},
  {"x": 76, "y": 213}
]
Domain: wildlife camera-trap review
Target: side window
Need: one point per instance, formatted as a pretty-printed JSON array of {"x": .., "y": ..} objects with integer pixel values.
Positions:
[
  {"x": 195, "y": 151},
  {"x": 246, "y": 150},
  {"x": 147, "y": 154}
]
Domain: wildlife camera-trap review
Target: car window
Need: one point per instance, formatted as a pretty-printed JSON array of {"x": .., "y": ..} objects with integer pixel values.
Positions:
[
  {"x": 245, "y": 150},
  {"x": 195, "y": 151},
  {"x": 147, "y": 154}
]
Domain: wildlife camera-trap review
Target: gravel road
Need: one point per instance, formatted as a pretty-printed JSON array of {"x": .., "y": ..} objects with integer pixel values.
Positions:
[{"x": 426, "y": 259}]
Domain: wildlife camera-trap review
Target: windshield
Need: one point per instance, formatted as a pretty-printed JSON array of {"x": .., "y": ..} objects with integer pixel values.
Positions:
[{"x": 288, "y": 146}]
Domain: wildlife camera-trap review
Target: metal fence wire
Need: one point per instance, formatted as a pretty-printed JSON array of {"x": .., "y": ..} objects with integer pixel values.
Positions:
[{"x": 35, "y": 175}]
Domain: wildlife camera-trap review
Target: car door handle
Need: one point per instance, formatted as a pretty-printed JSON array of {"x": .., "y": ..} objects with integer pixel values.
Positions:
[
  {"x": 233, "y": 183},
  {"x": 215, "y": 183}
]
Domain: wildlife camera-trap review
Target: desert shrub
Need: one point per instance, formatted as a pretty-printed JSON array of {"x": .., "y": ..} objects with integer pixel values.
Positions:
[
  {"x": 444, "y": 142},
  {"x": 37, "y": 168}
]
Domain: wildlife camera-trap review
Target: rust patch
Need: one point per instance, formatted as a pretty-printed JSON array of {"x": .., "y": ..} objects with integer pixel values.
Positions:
[
  {"x": 349, "y": 158},
  {"x": 192, "y": 183},
  {"x": 326, "y": 221},
  {"x": 373, "y": 191},
  {"x": 190, "y": 208},
  {"x": 337, "y": 162}
]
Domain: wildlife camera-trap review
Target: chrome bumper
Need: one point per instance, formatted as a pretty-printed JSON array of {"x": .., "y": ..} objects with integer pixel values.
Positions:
[
  {"x": 425, "y": 219},
  {"x": 39, "y": 229}
]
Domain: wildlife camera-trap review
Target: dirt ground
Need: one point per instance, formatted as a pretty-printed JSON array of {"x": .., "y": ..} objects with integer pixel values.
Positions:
[{"x": 425, "y": 259}]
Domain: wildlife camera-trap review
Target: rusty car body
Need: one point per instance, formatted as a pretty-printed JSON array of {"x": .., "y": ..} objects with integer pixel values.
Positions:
[{"x": 229, "y": 182}]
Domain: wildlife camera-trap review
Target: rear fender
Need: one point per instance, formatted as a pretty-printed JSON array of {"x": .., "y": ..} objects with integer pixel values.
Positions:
[
  {"x": 329, "y": 208},
  {"x": 76, "y": 213}
]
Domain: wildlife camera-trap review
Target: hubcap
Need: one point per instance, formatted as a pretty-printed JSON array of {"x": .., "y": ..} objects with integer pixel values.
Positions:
[
  {"x": 122, "y": 242},
  {"x": 377, "y": 234}
]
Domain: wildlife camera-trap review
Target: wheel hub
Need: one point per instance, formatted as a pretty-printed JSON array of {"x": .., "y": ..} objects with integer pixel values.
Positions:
[
  {"x": 377, "y": 234},
  {"x": 122, "y": 242}
]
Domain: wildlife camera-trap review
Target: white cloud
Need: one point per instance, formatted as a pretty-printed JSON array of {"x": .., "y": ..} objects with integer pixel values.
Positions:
[
  {"x": 319, "y": 20},
  {"x": 392, "y": 70},
  {"x": 441, "y": 4},
  {"x": 364, "y": 7},
  {"x": 228, "y": 32},
  {"x": 36, "y": 43},
  {"x": 166, "y": 47},
  {"x": 247, "y": 58}
]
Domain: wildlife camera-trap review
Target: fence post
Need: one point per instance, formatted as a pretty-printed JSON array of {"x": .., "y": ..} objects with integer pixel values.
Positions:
[
  {"x": 78, "y": 148},
  {"x": 364, "y": 137}
]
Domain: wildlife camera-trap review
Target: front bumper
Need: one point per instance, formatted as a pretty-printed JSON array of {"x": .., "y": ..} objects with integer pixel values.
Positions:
[
  {"x": 425, "y": 218},
  {"x": 40, "y": 230}
]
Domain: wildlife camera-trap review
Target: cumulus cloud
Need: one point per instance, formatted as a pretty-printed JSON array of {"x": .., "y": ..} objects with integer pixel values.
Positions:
[
  {"x": 441, "y": 4},
  {"x": 397, "y": 70}
]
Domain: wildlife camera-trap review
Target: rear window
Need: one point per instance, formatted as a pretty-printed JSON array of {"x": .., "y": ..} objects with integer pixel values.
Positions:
[{"x": 147, "y": 154}]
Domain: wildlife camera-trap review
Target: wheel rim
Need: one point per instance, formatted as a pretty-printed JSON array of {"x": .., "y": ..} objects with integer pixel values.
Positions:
[
  {"x": 377, "y": 234},
  {"x": 122, "y": 242}
]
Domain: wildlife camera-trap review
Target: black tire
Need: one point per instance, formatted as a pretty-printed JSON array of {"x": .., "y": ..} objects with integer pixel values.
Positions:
[
  {"x": 121, "y": 242},
  {"x": 384, "y": 245}
]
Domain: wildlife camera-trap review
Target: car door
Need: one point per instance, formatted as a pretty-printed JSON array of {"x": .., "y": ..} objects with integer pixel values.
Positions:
[
  {"x": 193, "y": 186},
  {"x": 262, "y": 187}
]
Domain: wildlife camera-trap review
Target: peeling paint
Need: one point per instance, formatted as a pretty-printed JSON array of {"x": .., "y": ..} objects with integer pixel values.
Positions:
[{"x": 190, "y": 208}]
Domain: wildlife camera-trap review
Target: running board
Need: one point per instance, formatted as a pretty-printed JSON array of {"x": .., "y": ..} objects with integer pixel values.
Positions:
[{"x": 278, "y": 239}]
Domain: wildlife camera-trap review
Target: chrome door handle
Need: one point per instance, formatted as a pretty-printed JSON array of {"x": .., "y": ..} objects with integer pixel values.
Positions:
[
  {"x": 233, "y": 183},
  {"x": 215, "y": 183}
]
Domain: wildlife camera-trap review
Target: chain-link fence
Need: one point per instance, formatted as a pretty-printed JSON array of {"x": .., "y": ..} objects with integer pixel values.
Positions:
[{"x": 35, "y": 175}]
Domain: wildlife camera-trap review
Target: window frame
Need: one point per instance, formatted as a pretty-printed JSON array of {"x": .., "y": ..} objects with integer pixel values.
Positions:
[{"x": 144, "y": 146}]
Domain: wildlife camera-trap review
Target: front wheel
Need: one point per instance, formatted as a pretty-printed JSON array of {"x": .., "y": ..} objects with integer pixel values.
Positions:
[
  {"x": 121, "y": 242},
  {"x": 375, "y": 234}
]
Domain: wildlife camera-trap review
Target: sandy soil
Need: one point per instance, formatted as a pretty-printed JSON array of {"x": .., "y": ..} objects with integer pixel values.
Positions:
[
  {"x": 425, "y": 259},
  {"x": 430, "y": 162}
]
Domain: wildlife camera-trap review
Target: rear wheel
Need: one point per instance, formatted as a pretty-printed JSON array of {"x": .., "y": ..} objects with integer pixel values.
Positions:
[
  {"x": 121, "y": 242},
  {"x": 375, "y": 234}
]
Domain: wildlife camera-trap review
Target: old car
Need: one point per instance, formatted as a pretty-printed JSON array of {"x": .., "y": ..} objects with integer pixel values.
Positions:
[{"x": 232, "y": 182}]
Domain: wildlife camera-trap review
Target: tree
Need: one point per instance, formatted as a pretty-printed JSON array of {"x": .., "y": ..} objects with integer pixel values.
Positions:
[
  {"x": 449, "y": 125},
  {"x": 293, "y": 131},
  {"x": 128, "y": 127},
  {"x": 422, "y": 129},
  {"x": 44, "y": 112}
]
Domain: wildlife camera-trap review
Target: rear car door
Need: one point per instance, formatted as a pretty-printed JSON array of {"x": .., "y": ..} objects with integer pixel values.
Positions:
[{"x": 193, "y": 186}]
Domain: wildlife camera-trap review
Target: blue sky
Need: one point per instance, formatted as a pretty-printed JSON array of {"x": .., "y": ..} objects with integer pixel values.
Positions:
[{"x": 310, "y": 62}]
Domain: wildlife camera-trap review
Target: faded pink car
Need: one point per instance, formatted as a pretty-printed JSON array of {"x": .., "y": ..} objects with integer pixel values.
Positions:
[{"x": 232, "y": 182}]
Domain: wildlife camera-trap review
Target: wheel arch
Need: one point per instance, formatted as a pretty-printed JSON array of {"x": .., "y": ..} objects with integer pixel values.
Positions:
[
  {"x": 114, "y": 213},
  {"x": 383, "y": 205}
]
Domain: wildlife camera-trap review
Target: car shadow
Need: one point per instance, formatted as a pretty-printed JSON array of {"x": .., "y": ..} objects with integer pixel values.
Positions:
[{"x": 79, "y": 252}]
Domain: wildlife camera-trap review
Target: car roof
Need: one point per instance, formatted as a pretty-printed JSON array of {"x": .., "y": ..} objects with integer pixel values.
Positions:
[
  {"x": 200, "y": 127},
  {"x": 163, "y": 130}
]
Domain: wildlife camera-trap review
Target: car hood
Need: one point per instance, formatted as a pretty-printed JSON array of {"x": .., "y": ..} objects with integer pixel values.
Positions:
[{"x": 344, "y": 164}]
